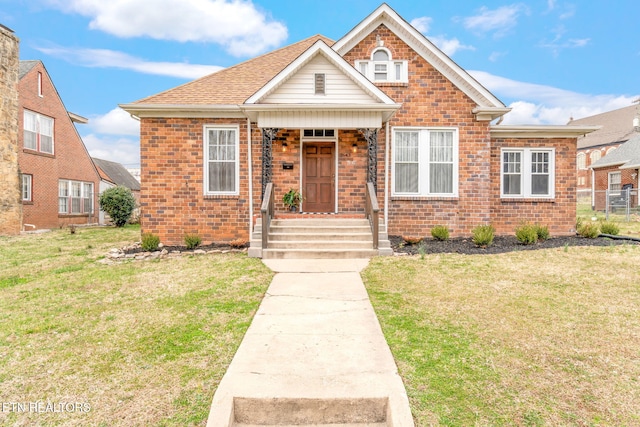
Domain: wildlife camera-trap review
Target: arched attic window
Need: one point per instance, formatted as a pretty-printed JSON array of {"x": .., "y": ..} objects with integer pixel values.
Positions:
[{"x": 382, "y": 68}]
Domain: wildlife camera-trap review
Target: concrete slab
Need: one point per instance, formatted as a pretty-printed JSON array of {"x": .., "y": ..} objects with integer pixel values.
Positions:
[{"x": 315, "y": 343}]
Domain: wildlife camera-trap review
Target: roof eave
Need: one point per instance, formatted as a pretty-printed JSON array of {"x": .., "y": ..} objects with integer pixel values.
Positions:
[
  {"x": 540, "y": 131},
  {"x": 386, "y": 110},
  {"x": 178, "y": 110},
  {"x": 487, "y": 114}
]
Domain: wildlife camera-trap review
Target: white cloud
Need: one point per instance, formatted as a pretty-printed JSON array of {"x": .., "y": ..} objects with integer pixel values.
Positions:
[
  {"x": 122, "y": 150},
  {"x": 238, "y": 25},
  {"x": 104, "y": 58},
  {"x": 450, "y": 46},
  {"x": 422, "y": 24},
  {"x": 496, "y": 55},
  {"x": 498, "y": 21},
  {"x": 115, "y": 122},
  {"x": 541, "y": 104}
]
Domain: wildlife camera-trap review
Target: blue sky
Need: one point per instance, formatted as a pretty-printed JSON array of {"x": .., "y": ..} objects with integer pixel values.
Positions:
[{"x": 548, "y": 59}]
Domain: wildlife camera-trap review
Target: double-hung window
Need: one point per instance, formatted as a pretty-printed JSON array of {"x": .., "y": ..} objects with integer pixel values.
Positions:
[
  {"x": 425, "y": 162},
  {"x": 615, "y": 182},
  {"x": 75, "y": 197},
  {"x": 382, "y": 68},
  {"x": 38, "y": 132},
  {"x": 221, "y": 155},
  {"x": 527, "y": 172}
]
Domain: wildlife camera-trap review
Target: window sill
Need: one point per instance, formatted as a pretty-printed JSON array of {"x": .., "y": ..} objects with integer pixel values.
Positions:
[
  {"x": 426, "y": 198},
  {"x": 527, "y": 199},
  {"x": 38, "y": 153},
  {"x": 81, "y": 215},
  {"x": 27, "y": 202},
  {"x": 391, "y": 84},
  {"x": 221, "y": 196}
]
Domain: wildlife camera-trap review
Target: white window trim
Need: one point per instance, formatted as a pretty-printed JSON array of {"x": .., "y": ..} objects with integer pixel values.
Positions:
[
  {"x": 28, "y": 186},
  {"x": 40, "y": 84},
  {"x": 39, "y": 133},
  {"x": 525, "y": 185},
  {"x": 609, "y": 182},
  {"x": 424, "y": 161},
  {"x": 582, "y": 156},
  {"x": 370, "y": 68},
  {"x": 205, "y": 143},
  {"x": 69, "y": 196}
]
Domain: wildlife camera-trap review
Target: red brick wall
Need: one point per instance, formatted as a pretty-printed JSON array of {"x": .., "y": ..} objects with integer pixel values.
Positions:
[
  {"x": 559, "y": 213},
  {"x": 69, "y": 161},
  {"x": 430, "y": 100},
  {"x": 602, "y": 184},
  {"x": 172, "y": 199}
]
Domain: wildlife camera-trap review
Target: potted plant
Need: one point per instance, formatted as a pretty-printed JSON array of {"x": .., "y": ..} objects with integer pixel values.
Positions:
[{"x": 292, "y": 199}]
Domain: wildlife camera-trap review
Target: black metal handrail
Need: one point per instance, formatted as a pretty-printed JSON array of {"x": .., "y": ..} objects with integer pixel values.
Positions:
[
  {"x": 266, "y": 211},
  {"x": 373, "y": 212}
]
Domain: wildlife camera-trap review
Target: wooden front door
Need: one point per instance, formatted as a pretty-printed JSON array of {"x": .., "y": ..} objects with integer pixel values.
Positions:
[{"x": 318, "y": 177}]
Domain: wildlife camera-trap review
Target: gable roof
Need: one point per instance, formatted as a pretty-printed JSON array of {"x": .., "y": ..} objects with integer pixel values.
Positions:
[
  {"x": 233, "y": 85},
  {"x": 627, "y": 155},
  {"x": 25, "y": 66},
  {"x": 117, "y": 174},
  {"x": 418, "y": 42},
  {"x": 617, "y": 127}
]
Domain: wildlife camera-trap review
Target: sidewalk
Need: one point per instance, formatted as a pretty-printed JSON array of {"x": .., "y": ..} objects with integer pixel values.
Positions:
[{"x": 314, "y": 354}]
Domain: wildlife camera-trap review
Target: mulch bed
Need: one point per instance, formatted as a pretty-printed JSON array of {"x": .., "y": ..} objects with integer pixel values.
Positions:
[{"x": 501, "y": 244}]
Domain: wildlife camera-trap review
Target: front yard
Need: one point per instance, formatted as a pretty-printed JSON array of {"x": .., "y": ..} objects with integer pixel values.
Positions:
[
  {"x": 530, "y": 338},
  {"x": 139, "y": 343}
]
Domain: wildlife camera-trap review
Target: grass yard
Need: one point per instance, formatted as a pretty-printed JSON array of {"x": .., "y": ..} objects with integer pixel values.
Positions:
[
  {"x": 142, "y": 343},
  {"x": 627, "y": 228},
  {"x": 536, "y": 338}
]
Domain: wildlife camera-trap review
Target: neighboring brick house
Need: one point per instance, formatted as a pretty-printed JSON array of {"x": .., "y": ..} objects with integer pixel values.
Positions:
[
  {"x": 381, "y": 105},
  {"x": 112, "y": 174},
  {"x": 58, "y": 178},
  {"x": 616, "y": 172},
  {"x": 616, "y": 128}
]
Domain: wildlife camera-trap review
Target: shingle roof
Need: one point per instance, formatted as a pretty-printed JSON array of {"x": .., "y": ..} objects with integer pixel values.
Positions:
[
  {"x": 25, "y": 66},
  {"x": 233, "y": 85},
  {"x": 617, "y": 126},
  {"x": 117, "y": 173},
  {"x": 627, "y": 155}
]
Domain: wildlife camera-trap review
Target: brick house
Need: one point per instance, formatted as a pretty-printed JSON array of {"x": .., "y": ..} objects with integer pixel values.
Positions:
[
  {"x": 58, "y": 178},
  {"x": 616, "y": 127},
  {"x": 380, "y": 118},
  {"x": 616, "y": 172}
]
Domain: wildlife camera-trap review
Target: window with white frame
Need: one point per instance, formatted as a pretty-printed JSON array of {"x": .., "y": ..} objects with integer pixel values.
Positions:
[
  {"x": 221, "y": 160},
  {"x": 75, "y": 197},
  {"x": 425, "y": 162},
  {"x": 38, "y": 132},
  {"x": 581, "y": 161},
  {"x": 527, "y": 172},
  {"x": 595, "y": 156},
  {"x": 382, "y": 68},
  {"x": 615, "y": 182},
  {"x": 27, "y": 182}
]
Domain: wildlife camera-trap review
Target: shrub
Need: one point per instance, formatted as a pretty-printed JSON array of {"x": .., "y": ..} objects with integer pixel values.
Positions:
[
  {"x": 527, "y": 234},
  {"x": 483, "y": 235},
  {"x": 542, "y": 231},
  {"x": 590, "y": 230},
  {"x": 440, "y": 232},
  {"x": 118, "y": 202},
  {"x": 192, "y": 241},
  {"x": 608, "y": 227},
  {"x": 150, "y": 242}
]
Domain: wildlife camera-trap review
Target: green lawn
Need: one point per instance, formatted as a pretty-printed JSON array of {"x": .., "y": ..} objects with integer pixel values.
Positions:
[
  {"x": 532, "y": 338},
  {"x": 142, "y": 343}
]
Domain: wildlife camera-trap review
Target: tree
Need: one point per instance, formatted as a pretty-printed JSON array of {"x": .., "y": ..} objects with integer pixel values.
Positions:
[{"x": 119, "y": 203}]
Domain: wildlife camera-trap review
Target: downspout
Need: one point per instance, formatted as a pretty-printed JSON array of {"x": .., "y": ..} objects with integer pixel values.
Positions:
[
  {"x": 250, "y": 169},
  {"x": 593, "y": 189},
  {"x": 386, "y": 177}
]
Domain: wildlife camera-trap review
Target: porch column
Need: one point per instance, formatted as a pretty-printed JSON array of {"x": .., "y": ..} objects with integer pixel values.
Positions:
[
  {"x": 371, "y": 136},
  {"x": 268, "y": 135}
]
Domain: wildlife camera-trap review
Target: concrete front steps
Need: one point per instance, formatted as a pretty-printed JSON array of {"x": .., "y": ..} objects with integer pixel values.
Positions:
[{"x": 314, "y": 238}]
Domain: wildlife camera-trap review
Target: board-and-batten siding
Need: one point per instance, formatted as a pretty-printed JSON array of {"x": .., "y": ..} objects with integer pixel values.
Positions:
[{"x": 300, "y": 88}]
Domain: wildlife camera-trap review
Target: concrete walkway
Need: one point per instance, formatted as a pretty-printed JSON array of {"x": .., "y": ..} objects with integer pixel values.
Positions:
[{"x": 313, "y": 355}]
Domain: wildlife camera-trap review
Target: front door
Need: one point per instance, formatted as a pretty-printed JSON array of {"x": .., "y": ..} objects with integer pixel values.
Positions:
[{"x": 318, "y": 177}]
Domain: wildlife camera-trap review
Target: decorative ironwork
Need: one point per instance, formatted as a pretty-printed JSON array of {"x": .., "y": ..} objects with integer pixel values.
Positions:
[
  {"x": 371, "y": 136},
  {"x": 268, "y": 135}
]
